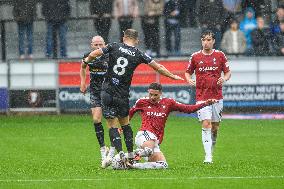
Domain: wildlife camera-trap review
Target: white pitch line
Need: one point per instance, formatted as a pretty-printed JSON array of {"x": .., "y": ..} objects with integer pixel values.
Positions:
[{"x": 131, "y": 178}]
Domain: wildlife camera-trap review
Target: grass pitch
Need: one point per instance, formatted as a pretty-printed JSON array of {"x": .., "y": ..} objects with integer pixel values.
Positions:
[{"x": 62, "y": 152}]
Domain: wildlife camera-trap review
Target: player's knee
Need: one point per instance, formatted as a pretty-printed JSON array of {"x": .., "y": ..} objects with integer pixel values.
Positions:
[
  {"x": 148, "y": 151},
  {"x": 206, "y": 124}
]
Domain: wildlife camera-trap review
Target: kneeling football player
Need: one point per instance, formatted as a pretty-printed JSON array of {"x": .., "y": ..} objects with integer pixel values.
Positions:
[{"x": 154, "y": 111}]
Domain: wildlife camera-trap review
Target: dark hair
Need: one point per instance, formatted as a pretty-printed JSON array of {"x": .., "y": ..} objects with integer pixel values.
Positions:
[
  {"x": 131, "y": 33},
  {"x": 207, "y": 32},
  {"x": 155, "y": 86},
  {"x": 280, "y": 6},
  {"x": 234, "y": 20},
  {"x": 281, "y": 21}
]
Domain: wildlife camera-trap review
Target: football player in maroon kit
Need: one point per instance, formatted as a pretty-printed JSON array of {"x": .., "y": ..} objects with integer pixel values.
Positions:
[
  {"x": 208, "y": 65},
  {"x": 154, "y": 111}
]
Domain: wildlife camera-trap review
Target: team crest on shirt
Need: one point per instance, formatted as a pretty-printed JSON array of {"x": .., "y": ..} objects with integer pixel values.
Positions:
[
  {"x": 163, "y": 106},
  {"x": 149, "y": 106},
  {"x": 201, "y": 62}
]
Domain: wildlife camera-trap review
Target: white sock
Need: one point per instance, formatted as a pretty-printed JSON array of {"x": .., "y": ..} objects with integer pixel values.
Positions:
[
  {"x": 151, "y": 165},
  {"x": 111, "y": 152},
  {"x": 207, "y": 141},
  {"x": 130, "y": 155},
  {"x": 103, "y": 151}
]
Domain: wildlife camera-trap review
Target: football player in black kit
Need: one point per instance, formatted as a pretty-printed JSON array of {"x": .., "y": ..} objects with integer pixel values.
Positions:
[
  {"x": 97, "y": 68},
  {"x": 123, "y": 60}
]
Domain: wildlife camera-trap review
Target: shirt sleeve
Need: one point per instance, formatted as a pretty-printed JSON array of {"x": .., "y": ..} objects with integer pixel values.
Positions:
[
  {"x": 137, "y": 107},
  {"x": 191, "y": 65},
  {"x": 185, "y": 108},
  {"x": 146, "y": 59},
  {"x": 108, "y": 48},
  {"x": 224, "y": 62}
]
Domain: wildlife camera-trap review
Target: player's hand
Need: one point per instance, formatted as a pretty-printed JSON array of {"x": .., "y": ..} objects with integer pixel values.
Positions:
[
  {"x": 83, "y": 88},
  {"x": 211, "y": 101},
  {"x": 176, "y": 77},
  {"x": 191, "y": 82},
  {"x": 221, "y": 80}
]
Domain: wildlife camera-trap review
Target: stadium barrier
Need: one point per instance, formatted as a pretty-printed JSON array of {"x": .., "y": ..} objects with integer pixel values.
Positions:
[{"x": 53, "y": 85}]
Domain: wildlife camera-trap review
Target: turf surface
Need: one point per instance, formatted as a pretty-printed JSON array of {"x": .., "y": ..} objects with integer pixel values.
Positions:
[{"x": 62, "y": 152}]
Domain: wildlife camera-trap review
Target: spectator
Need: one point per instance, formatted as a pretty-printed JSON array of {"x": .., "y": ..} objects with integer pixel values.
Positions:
[
  {"x": 232, "y": 10},
  {"x": 233, "y": 41},
  {"x": 279, "y": 40},
  {"x": 188, "y": 13},
  {"x": 24, "y": 13},
  {"x": 260, "y": 38},
  {"x": 125, "y": 11},
  {"x": 153, "y": 9},
  {"x": 172, "y": 26},
  {"x": 211, "y": 16},
  {"x": 192, "y": 13},
  {"x": 247, "y": 25},
  {"x": 102, "y": 12},
  {"x": 56, "y": 13},
  {"x": 256, "y": 5},
  {"x": 275, "y": 24}
]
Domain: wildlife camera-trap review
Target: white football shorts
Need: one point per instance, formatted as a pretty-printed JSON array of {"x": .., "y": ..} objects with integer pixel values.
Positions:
[
  {"x": 143, "y": 136},
  {"x": 212, "y": 112}
]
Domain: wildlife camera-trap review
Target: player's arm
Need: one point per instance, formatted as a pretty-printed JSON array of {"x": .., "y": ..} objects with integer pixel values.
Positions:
[
  {"x": 191, "y": 108},
  {"x": 164, "y": 71},
  {"x": 93, "y": 55},
  {"x": 188, "y": 78},
  {"x": 224, "y": 78},
  {"x": 83, "y": 86},
  {"x": 137, "y": 107},
  {"x": 225, "y": 69},
  {"x": 190, "y": 71}
]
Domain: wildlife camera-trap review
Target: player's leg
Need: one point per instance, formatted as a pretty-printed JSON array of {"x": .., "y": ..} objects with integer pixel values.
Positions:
[
  {"x": 97, "y": 117},
  {"x": 205, "y": 115},
  {"x": 216, "y": 118},
  {"x": 215, "y": 128},
  {"x": 110, "y": 114},
  {"x": 128, "y": 135},
  {"x": 156, "y": 159}
]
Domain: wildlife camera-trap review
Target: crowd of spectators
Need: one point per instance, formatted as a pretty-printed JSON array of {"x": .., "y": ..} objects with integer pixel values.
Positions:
[{"x": 239, "y": 25}]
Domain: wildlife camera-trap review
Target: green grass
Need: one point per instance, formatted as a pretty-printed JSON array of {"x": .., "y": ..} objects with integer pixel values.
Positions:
[{"x": 62, "y": 152}]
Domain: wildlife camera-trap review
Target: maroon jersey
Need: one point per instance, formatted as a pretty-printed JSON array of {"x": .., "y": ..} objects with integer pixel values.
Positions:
[
  {"x": 208, "y": 69},
  {"x": 154, "y": 115}
]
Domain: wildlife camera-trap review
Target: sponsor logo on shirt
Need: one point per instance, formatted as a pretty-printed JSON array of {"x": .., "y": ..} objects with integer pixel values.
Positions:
[
  {"x": 208, "y": 68},
  {"x": 127, "y": 51},
  {"x": 157, "y": 114}
]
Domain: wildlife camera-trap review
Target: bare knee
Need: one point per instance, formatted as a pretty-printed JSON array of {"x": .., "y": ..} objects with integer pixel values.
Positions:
[{"x": 206, "y": 124}]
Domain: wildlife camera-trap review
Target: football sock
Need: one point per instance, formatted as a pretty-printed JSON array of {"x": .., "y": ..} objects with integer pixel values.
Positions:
[
  {"x": 100, "y": 133},
  {"x": 207, "y": 141},
  {"x": 115, "y": 138},
  {"x": 151, "y": 165},
  {"x": 214, "y": 140},
  {"x": 111, "y": 152},
  {"x": 128, "y": 138},
  {"x": 146, "y": 152},
  {"x": 103, "y": 151}
]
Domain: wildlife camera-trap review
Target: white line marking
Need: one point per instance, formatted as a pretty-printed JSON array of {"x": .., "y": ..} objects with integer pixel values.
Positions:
[{"x": 150, "y": 178}]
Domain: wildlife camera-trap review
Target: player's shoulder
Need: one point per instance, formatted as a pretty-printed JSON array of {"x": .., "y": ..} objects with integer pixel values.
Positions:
[
  {"x": 218, "y": 52},
  {"x": 142, "y": 100},
  {"x": 168, "y": 100},
  {"x": 197, "y": 53}
]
